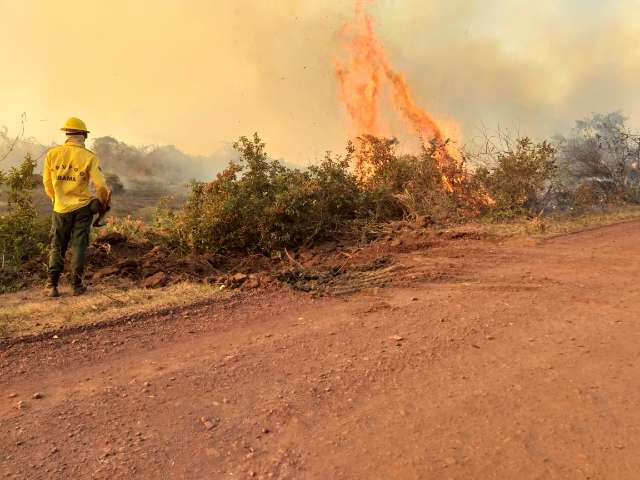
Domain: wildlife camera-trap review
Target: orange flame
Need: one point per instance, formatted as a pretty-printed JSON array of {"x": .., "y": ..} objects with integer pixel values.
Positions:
[{"x": 360, "y": 80}]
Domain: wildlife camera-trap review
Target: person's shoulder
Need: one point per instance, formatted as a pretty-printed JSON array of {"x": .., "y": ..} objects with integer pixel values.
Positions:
[
  {"x": 74, "y": 149},
  {"x": 90, "y": 152},
  {"x": 85, "y": 151},
  {"x": 55, "y": 149},
  {"x": 53, "y": 152}
]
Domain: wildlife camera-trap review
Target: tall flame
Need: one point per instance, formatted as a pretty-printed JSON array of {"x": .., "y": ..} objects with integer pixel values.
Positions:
[{"x": 361, "y": 78}]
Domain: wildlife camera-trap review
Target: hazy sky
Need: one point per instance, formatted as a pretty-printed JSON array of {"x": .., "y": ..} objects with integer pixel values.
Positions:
[{"x": 199, "y": 73}]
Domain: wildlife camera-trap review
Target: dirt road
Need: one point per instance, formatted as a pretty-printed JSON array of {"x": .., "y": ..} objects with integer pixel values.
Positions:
[{"x": 523, "y": 362}]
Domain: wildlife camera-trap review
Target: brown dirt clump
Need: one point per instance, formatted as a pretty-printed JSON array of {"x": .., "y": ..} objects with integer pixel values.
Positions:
[
  {"x": 328, "y": 268},
  {"x": 114, "y": 256}
]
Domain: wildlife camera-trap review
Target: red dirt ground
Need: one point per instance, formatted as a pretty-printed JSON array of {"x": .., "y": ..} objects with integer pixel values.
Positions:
[{"x": 516, "y": 361}]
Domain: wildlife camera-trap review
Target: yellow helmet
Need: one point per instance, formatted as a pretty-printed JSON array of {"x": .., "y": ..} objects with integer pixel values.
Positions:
[{"x": 74, "y": 124}]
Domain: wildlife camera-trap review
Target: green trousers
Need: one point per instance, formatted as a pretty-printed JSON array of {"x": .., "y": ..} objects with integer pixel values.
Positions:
[{"x": 69, "y": 228}]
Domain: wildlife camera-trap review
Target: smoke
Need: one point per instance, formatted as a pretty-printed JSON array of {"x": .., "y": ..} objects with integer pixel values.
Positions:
[
  {"x": 13, "y": 149},
  {"x": 196, "y": 73},
  {"x": 535, "y": 66},
  {"x": 164, "y": 166}
]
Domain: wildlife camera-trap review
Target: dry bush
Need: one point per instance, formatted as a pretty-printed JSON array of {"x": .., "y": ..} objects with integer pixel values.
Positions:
[
  {"x": 135, "y": 229},
  {"x": 519, "y": 181},
  {"x": 404, "y": 185},
  {"x": 602, "y": 155}
]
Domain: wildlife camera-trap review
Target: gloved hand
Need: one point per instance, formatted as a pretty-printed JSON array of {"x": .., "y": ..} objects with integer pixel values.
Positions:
[{"x": 101, "y": 209}]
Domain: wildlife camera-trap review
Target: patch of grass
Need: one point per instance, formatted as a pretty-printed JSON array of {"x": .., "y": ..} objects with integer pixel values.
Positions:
[
  {"x": 29, "y": 312},
  {"x": 552, "y": 225},
  {"x": 569, "y": 224}
]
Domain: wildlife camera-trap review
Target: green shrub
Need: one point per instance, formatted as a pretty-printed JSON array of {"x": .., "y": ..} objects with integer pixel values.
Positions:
[
  {"x": 519, "y": 179},
  {"x": 22, "y": 234},
  {"x": 258, "y": 204}
]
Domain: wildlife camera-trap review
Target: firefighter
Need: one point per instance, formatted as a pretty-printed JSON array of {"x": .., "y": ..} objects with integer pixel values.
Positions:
[{"x": 68, "y": 169}]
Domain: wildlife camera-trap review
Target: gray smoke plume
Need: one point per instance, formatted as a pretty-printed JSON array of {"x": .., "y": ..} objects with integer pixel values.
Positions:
[
  {"x": 139, "y": 176},
  {"x": 128, "y": 164},
  {"x": 13, "y": 149},
  {"x": 160, "y": 165}
]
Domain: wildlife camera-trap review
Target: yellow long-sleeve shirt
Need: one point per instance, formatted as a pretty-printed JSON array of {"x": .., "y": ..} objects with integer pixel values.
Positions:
[{"x": 66, "y": 174}]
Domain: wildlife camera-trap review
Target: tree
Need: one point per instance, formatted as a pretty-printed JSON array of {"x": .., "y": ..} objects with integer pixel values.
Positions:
[
  {"x": 20, "y": 234},
  {"x": 603, "y": 153}
]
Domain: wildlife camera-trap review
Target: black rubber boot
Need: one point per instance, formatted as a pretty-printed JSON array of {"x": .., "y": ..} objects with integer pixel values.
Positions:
[
  {"x": 53, "y": 292},
  {"x": 79, "y": 290},
  {"x": 52, "y": 287},
  {"x": 78, "y": 286}
]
